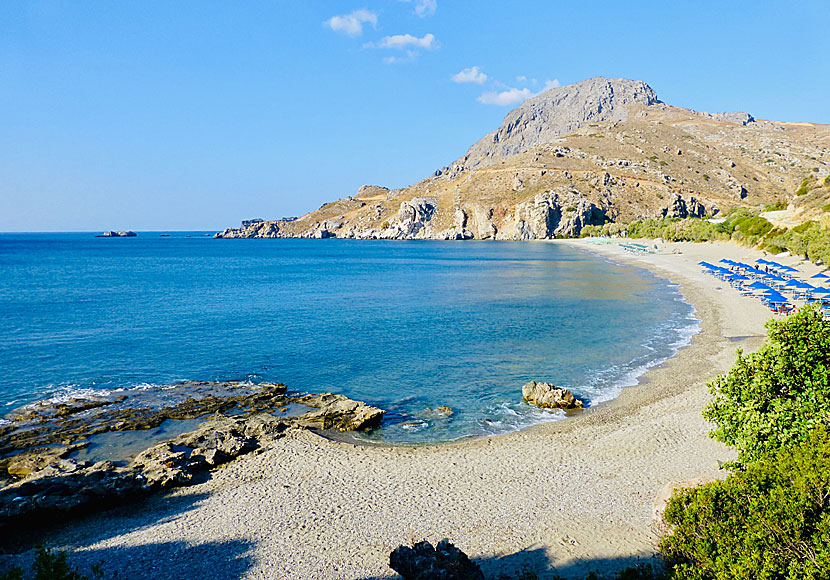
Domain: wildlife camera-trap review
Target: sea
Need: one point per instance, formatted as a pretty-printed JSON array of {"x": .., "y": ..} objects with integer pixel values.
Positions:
[{"x": 406, "y": 326}]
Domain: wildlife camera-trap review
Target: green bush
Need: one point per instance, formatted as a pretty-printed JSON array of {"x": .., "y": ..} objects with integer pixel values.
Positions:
[
  {"x": 48, "y": 565},
  {"x": 768, "y": 521},
  {"x": 778, "y": 395}
]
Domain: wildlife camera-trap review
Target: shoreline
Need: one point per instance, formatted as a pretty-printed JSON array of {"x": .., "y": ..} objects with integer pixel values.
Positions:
[{"x": 561, "y": 497}]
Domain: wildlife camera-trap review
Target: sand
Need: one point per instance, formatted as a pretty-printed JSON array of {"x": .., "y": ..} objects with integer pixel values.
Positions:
[{"x": 560, "y": 498}]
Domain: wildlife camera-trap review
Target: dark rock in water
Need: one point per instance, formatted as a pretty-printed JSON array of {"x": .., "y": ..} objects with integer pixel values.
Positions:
[
  {"x": 549, "y": 396},
  {"x": 423, "y": 562},
  {"x": 111, "y": 234},
  {"x": 47, "y": 422}
]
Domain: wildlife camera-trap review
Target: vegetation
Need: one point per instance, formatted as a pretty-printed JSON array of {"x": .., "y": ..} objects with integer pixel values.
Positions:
[
  {"x": 48, "y": 565},
  {"x": 770, "y": 518},
  {"x": 745, "y": 226},
  {"x": 779, "y": 395}
]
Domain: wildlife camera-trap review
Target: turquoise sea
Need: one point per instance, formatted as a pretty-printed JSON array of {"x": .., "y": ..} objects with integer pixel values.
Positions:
[{"x": 406, "y": 326}]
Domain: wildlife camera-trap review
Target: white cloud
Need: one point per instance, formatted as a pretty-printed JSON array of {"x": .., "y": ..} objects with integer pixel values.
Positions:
[
  {"x": 410, "y": 56},
  {"x": 521, "y": 79},
  {"x": 424, "y": 8},
  {"x": 550, "y": 85},
  {"x": 470, "y": 75},
  {"x": 404, "y": 41},
  {"x": 352, "y": 24},
  {"x": 512, "y": 96}
]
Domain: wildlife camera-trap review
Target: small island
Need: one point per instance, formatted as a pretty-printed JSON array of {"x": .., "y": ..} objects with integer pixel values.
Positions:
[{"x": 111, "y": 234}]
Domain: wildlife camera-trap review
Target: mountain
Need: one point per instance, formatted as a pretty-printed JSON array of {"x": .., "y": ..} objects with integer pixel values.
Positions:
[{"x": 595, "y": 151}]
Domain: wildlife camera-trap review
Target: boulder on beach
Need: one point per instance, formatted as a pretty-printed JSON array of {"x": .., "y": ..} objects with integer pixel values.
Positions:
[
  {"x": 549, "y": 396},
  {"x": 423, "y": 562}
]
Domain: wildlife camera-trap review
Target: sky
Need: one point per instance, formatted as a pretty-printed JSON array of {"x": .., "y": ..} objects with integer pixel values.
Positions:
[{"x": 158, "y": 115}]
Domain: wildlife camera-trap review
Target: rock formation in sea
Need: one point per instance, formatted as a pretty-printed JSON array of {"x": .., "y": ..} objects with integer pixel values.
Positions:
[
  {"x": 549, "y": 396},
  {"x": 113, "y": 234},
  {"x": 583, "y": 154},
  {"x": 38, "y": 442}
]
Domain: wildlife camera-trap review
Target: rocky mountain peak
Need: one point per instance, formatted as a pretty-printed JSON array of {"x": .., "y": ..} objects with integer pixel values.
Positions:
[{"x": 557, "y": 112}]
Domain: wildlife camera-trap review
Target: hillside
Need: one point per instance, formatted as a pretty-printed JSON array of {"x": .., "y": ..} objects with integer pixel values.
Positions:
[{"x": 596, "y": 151}]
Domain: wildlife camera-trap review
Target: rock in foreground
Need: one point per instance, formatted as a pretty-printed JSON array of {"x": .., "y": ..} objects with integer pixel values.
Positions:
[
  {"x": 549, "y": 396},
  {"x": 443, "y": 562}
]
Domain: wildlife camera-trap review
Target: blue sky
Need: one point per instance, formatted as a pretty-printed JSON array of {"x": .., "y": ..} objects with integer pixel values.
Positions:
[{"x": 195, "y": 115}]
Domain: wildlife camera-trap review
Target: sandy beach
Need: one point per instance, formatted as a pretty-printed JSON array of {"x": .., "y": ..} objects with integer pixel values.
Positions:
[{"x": 562, "y": 498}]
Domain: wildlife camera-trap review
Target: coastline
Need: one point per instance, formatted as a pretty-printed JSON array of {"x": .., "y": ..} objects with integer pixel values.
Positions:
[{"x": 566, "y": 496}]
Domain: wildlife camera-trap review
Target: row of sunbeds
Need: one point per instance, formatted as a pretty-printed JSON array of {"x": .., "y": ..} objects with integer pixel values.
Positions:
[{"x": 778, "y": 286}]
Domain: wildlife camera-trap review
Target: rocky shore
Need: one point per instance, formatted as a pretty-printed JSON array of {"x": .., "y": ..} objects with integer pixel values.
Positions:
[{"x": 39, "y": 441}]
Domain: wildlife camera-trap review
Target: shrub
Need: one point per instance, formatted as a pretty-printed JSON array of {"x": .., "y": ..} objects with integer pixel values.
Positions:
[
  {"x": 827, "y": 180},
  {"x": 48, "y": 565},
  {"x": 771, "y": 520},
  {"x": 778, "y": 395}
]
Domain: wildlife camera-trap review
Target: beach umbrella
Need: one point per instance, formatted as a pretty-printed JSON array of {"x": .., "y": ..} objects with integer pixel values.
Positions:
[
  {"x": 820, "y": 275},
  {"x": 725, "y": 261},
  {"x": 758, "y": 286},
  {"x": 822, "y": 291},
  {"x": 707, "y": 265}
]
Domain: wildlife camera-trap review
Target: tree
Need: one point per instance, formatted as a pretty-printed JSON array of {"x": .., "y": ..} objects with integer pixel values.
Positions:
[{"x": 781, "y": 393}]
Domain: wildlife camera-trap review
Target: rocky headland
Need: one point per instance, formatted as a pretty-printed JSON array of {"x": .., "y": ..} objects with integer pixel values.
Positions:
[{"x": 597, "y": 151}]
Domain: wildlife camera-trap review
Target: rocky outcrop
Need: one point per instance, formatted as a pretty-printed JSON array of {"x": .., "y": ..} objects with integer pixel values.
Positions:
[
  {"x": 557, "y": 112},
  {"x": 252, "y": 229},
  {"x": 61, "y": 488},
  {"x": 678, "y": 208},
  {"x": 485, "y": 228},
  {"x": 37, "y": 449},
  {"x": 372, "y": 191},
  {"x": 412, "y": 221},
  {"x": 549, "y": 396},
  {"x": 111, "y": 234},
  {"x": 459, "y": 230},
  {"x": 737, "y": 117},
  {"x": 552, "y": 215},
  {"x": 339, "y": 412},
  {"x": 443, "y": 562},
  {"x": 47, "y": 422}
]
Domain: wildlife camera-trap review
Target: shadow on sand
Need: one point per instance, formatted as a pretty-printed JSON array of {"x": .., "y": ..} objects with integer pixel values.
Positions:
[
  {"x": 228, "y": 560},
  {"x": 534, "y": 564},
  {"x": 174, "y": 560}
]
